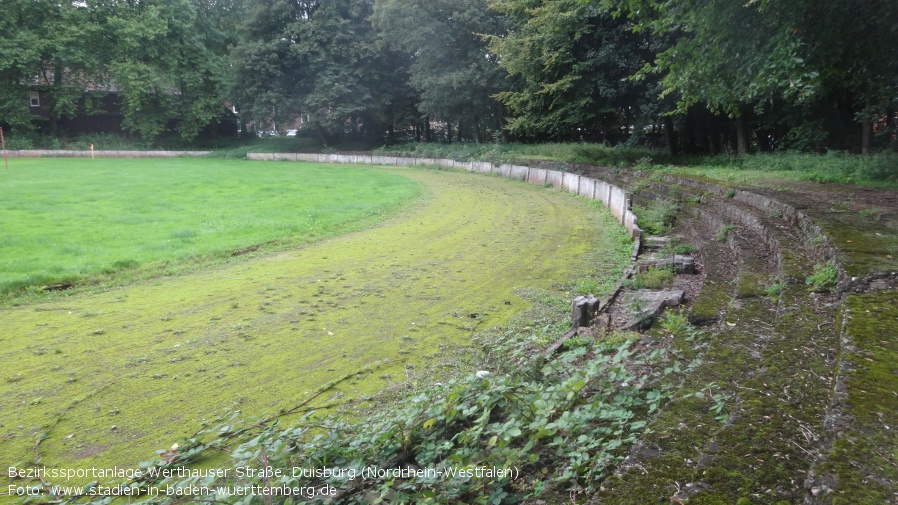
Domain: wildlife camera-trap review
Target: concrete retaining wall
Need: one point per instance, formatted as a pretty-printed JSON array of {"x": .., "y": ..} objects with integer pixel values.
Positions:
[{"x": 614, "y": 198}]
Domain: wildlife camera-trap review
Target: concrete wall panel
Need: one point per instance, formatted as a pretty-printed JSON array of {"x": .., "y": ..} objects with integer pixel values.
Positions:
[
  {"x": 587, "y": 187},
  {"x": 482, "y": 167},
  {"x": 554, "y": 177},
  {"x": 537, "y": 176},
  {"x": 571, "y": 182},
  {"x": 518, "y": 172}
]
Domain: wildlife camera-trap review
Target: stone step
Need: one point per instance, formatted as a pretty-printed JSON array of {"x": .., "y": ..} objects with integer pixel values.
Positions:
[{"x": 769, "y": 367}]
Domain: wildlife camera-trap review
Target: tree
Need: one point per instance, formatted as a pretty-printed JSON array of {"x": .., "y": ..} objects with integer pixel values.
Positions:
[
  {"x": 574, "y": 61},
  {"x": 452, "y": 68},
  {"x": 315, "y": 58},
  {"x": 23, "y": 44},
  {"x": 167, "y": 62},
  {"x": 766, "y": 54}
]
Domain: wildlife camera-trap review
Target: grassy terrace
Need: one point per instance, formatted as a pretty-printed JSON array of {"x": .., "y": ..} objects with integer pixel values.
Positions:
[{"x": 110, "y": 375}]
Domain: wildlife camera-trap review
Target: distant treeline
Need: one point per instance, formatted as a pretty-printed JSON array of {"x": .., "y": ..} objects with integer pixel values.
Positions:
[{"x": 690, "y": 76}]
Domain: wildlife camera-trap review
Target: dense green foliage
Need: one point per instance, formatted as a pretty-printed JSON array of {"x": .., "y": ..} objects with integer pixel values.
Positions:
[
  {"x": 317, "y": 59},
  {"x": 164, "y": 60},
  {"x": 452, "y": 71},
  {"x": 807, "y": 74},
  {"x": 573, "y": 60},
  {"x": 690, "y": 77},
  {"x": 559, "y": 424}
]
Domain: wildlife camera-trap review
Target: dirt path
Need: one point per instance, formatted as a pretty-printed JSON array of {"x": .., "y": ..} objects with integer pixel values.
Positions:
[{"x": 112, "y": 376}]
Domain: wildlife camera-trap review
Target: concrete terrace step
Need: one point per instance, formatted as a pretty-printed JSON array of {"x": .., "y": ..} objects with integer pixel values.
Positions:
[{"x": 768, "y": 367}]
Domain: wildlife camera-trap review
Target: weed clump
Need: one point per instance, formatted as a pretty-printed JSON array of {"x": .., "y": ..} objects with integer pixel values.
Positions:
[
  {"x": 658, "y": 217},
  {"x": 725, "y": 232},
  {"x": 653, "y": 278},
  {"x": 824, "y": 278},
  {"x": 676, "y": 324},
  {"x": 775, "y": 289}
]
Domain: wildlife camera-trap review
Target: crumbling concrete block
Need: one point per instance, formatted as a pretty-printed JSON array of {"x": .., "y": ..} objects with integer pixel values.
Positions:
[
  {"x": 583, "y": 310},
  {"x": 681, "y": 264},
  {"x": 652, "y": 304},
  {"x": 655, "y": 242}
]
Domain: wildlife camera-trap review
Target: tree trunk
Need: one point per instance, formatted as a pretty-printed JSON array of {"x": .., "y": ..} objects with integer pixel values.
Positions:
[
  {"x": 449, "y": 131},
  {"x": 763, "y": 141},
  {"x": 427, "y": 137},
  {"x": 502, "y": 130},
  {"x": 321, "y": 134},
  {"x": 669, "y": 136},
  {"x": 893, "y": 117},
  {"x": 476, "y": 130},
  {"x": 741, "y": 135},
  {"x": 866, "y": 136}
]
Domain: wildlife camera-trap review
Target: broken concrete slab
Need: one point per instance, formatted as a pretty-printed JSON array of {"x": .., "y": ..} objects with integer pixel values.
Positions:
[
  {"x": 655, "y": 242},
  {"x": 650, "y": 305},
  {"x": 681, "y": 264}
]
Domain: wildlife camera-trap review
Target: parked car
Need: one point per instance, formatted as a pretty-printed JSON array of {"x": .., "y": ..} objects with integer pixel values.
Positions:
[{"x": 291, "y": 133}]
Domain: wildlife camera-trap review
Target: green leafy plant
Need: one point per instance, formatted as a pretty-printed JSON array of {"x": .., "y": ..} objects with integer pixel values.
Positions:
[
  {"x": 824, "y": 278},
  {"x": 717, "y": 401},
  {"x": 559, "y": 423},
  {"x": 653, "y": 278},
  {"x": 775, "y": 289},
  {"x": 725, "y": 232},
  {"x": 676, "y": 323},
  {"x": 658, "y": 217}
]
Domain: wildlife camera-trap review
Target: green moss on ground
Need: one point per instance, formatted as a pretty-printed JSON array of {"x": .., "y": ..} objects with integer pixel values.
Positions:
[
  {"x": 769, "y": 377},
  {"x": 866, "y": 244},
  {"x": 713, "y": 300},
  {"x": 862, "y": 465},
  {"x": 156, "y": 358}
]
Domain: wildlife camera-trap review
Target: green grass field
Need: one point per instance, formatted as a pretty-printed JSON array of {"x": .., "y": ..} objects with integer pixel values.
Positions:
[
  {"x": 105, "y": 377},
  {"x": 82, "y": 221}
]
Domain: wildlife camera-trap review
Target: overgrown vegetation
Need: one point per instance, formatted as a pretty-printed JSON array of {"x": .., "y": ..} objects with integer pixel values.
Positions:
[
  {"x": 653, "y": 278},
  {"x": 677, "y": 246},
  {"x": 824, "y": 277},
  {"x": 724, "y": 232},
  {"x": 834, "y": 166},
  {"x": 529, "y": 426},
  {"x": 658, "y": 218},
  {"x": 499, "y": 152}
]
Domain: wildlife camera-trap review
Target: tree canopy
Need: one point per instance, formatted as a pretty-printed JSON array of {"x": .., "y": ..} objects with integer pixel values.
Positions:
[{"x": 701, "y": 76}]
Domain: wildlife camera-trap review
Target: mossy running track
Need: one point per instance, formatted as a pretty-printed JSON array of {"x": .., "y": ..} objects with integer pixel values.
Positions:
[{"x": 111, "y": 376}]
